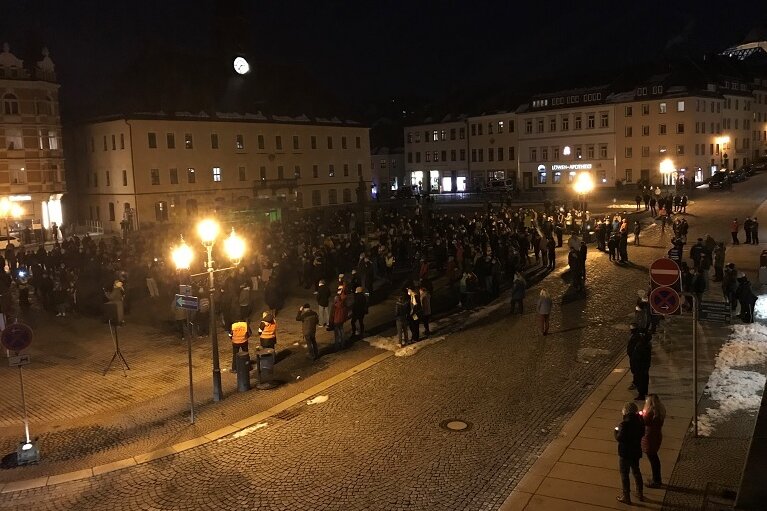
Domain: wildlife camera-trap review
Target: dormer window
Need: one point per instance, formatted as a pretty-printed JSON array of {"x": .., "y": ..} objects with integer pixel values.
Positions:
[{"x": 10, "y": 105}]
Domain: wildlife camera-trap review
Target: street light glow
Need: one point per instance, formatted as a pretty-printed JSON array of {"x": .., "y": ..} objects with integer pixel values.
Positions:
[
  {"x": 583, "y": 183},
  {"x": 234, "y": 246},
  {"x": 667, "y": 166},
  {"x": 182, "y": 256},
  {"x": 208, "y": 231}
]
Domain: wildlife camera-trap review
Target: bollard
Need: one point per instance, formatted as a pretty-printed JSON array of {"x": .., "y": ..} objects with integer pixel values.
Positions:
[
  {"x": 243, "y": 371},
  {"x": 265, "y": 359}
]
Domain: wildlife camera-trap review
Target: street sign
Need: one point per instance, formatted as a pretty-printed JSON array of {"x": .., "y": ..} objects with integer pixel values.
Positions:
[
  {"x": 664, "y": 272},
  {"x": 718, "y": 312},
  {"x": 184, "y": 289},
  {"x": 16, "y": 337},
  {"x": 191, "y": 303},
  {"x": 665, "y": 301},
  {"x": 19, "y": 360}
]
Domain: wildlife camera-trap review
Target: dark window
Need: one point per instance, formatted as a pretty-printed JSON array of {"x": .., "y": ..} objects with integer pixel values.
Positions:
[
  {"x": 191, "y": 177},
  {"x": 314, "y": 143},
  {"x": 358, "y": 143},
  {"x": 170, "y": 138},
  {"x": 111, "y": 212},
  {"x": 188, "y": 141},
  {"x": 155, "y": 175},
  {"x": 214, "y": 140},
  {"x": 242, "y": 173},
  {"x": 295, "y": 142},
  {"x": 125, "y": 178},
  {"x": 174, "y": 176},
  {"x": 343, "y": 142},
  {"x": 260, "y": 141},
  {"x": 330, "y": 142},
  {"x": 278, "y": 142}
]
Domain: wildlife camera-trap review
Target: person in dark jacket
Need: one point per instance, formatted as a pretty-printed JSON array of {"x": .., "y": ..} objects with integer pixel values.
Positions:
[
  {"x": 640, "y": 359},
  {"x": 401, "y": 315},
  {"x": 629, "y": 435},
  {"x": 323, "y": 300},
  {"x": 359, "y": 310},
  {"x": 518, "y": 288},
  {"x": 634, "y": 338},
  {"x": 309, "y": 320},
  {"x": 746, "y": 299},
  {"x": 699, "y": 285}
]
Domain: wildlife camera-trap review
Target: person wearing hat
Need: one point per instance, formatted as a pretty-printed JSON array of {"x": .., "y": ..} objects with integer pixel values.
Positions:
[
  {"x": 323, "y": 299},
  {"x": 267, "y": 330},
  {"x": 359, "y": 310},
  {"x": 746, "y": 298},
  {"x": 309, "y": 320}
]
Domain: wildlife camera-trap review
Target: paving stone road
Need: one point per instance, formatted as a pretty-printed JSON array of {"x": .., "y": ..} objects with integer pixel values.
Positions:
[{"x": 377, "y": 442}]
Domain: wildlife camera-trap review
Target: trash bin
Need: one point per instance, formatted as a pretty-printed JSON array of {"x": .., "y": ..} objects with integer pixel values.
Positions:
[
  {"x": 243, "y": 371},
  {"x": 265, "y": 359}
]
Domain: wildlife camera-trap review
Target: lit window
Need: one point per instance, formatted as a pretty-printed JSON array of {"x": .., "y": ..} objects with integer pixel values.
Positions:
[
  {"x": 188, "y": 142},
  {"x": 216, "y": 174},
  {"x": 680, "y": 106},
  {"x": 239, "y": 142},
  {"x": 191, "y": 177},
  {"x": 662, "y": 108}
]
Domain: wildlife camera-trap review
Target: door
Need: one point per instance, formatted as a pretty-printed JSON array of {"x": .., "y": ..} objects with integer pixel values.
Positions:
[{"x": 527, "y": 181}]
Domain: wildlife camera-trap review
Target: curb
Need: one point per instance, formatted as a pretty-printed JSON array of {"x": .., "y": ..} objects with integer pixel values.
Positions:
[{"x": 28, "y": 484}]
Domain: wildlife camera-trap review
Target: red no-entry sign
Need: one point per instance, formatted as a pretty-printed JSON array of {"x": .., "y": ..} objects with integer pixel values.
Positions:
[
  {"x": 664, "y": 272},
  {"x": 664, "y": 300}
]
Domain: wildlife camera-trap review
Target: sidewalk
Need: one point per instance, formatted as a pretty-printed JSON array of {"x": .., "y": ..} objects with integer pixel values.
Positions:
[{"x": 579, "y": 470}]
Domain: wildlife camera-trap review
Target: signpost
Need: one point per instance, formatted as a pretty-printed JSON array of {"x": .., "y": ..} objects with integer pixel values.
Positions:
[
  {"x": 17, "y": 337},
  {"x": 188, "y": 303},
  {"x": 664, "y": 272},
  {"x": 718, "y": 312},
  {"x": 191, "y": 303},
  {"x": 665, "y": 301}
]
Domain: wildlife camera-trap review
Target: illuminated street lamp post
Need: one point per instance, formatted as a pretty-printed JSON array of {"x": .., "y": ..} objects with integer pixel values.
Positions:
[
  {"x": 583, "y": 185},
  {"x": 9, "y": 210},
  {"x": 667, "y": 169},
  {"x": 234, "y": 247},
  {"x": 182, "y": 257}
]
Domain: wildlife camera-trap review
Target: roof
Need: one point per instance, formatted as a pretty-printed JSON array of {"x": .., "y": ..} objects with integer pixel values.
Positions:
[{"x": 257, "y": 117}]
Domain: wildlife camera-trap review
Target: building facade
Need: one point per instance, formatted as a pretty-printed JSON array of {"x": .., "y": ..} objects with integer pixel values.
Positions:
[
  {"x": 387, "y": 167},
  {"x": 681, "y": 126},
  {"x": 492, "y": 148},
  {"x": 155, "y": 169},
  {"x": 437, "y": 156},
  {"x": 31, "y": 158}
]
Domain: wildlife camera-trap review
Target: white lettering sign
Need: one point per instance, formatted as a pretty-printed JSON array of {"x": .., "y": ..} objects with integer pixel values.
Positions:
[{"x": 573, "y": 166}]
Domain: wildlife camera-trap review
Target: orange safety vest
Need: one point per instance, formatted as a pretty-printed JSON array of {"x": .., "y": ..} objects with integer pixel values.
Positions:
[
  {"x": 239, "y": 332},
  {"x": 269, "y": 331}
]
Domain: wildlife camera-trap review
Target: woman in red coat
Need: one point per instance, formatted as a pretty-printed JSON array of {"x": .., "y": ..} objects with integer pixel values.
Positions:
[
  {"x": 340, "y": 314},
  {"x": 653, "y": 415}
]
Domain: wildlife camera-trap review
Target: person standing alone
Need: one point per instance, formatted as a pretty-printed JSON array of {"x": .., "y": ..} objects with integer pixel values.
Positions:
[{"x": 544, "y": 311}]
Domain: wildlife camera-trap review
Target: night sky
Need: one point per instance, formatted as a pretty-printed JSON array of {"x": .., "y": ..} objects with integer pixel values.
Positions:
[{"x": 367, "y": 51}]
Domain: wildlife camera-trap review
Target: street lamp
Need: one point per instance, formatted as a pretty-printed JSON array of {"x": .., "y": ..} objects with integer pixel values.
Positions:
[
  {"x": 9, "y": 210},
  {"x": 234, "y": 248},
  {"x": 722, "y": 141},
  {"x": 583, "y": 185},
  {"x": 182, "y": 257},
  {"x": 667, "y": 169}
]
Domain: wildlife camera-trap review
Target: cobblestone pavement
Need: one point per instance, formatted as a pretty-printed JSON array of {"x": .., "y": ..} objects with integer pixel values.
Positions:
[{"x": 377, "y": 442}]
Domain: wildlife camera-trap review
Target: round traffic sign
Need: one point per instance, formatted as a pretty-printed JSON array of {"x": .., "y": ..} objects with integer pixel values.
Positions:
[
  {"x": 664, "y": 272},
  {"x": 16, "y": 337},
  {"x": 664, "y": 300}
]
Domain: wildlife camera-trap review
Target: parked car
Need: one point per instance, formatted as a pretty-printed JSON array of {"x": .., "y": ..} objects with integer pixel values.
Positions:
[
  {"x": 4, "y": 242},
  {"x": 759, "y": 164},
  {"x": 738, "y": 176},
  {"x": 719, "y": 181},
  {"x": 499, "y": 185}
]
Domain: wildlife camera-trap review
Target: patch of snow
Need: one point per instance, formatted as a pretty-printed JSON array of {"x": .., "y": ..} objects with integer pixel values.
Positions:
[
  {"x": 412, "y": 349},
  {"x": 244, "y": 432},
  {"x": 383, "y": 343},
  {"x": 736, "y": 389},
  {"x": 282, "y": 118},
  {"x": 584, "y": 354},
  {"x": 317, "y": 400}
]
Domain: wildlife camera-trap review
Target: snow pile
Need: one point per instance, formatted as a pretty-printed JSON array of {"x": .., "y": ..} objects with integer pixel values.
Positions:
[
  {"x": 243, "y": 432},
  {"x": 317, "y": 400},
  {"x": 392, "y": 344},
  {"x": 412, "y": 349},
  {"x": 731, "y": 388}
]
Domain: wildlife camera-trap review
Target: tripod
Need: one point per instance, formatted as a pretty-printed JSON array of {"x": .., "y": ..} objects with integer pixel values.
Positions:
[{"x": 117, "y": 353}]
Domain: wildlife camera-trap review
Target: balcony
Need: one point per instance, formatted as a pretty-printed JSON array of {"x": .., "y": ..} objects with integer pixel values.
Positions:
[{"x": 275, "y": 184}]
